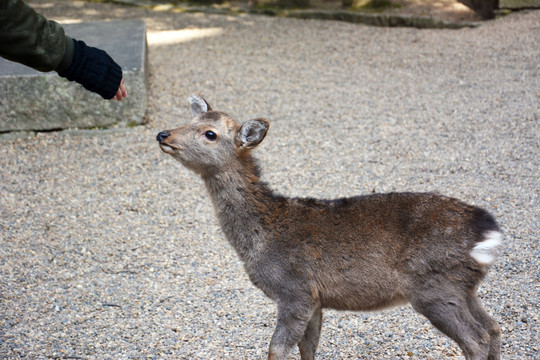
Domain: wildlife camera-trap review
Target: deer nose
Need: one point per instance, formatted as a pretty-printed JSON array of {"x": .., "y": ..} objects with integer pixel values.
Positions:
[{"x": 162, "y": 136}]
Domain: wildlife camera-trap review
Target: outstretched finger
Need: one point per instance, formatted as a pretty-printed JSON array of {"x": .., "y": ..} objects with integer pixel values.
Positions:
[{"x": 123, "y": 88}]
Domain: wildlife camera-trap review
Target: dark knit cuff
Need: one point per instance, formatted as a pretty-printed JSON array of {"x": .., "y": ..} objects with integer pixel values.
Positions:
[
  {"x": 68, "y": 55},
  {"x": 94, "y": 69}
]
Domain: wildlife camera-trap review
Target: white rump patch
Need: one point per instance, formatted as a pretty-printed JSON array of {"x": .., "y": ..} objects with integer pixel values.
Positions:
[{"x": 485, "y": 252}]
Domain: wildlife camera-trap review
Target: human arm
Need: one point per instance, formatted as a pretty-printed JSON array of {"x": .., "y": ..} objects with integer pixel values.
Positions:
[{"x": 28, "y": 38}]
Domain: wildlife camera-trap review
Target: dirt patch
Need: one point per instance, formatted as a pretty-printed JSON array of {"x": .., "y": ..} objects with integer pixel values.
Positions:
[{"x": 444, "y": 10}]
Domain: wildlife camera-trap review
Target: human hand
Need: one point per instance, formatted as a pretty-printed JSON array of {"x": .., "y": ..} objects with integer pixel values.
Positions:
[
  {"x": 121, "y": 92},
  {"x": 96, "y": 71}
]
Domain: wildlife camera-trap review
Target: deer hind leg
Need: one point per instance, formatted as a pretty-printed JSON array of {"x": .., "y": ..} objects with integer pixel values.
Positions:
[
  {"x": 292, "y": 322},
  {"x": 489, "y": 324},
  {"x": 450, "y": 313},
  {"x": 309, "y": 342}
]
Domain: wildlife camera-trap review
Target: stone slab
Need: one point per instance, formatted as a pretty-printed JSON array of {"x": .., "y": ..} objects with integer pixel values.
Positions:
[{"x": 32, "y": 100}]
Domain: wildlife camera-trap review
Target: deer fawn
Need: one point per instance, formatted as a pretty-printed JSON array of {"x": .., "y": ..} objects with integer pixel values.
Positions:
[{"x": 360, "y": 253}]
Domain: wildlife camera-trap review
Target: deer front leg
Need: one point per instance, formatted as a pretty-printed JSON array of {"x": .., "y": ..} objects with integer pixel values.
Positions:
[
  {"x": 310, "y": 340},
  {"x": 292, "y": 322}
]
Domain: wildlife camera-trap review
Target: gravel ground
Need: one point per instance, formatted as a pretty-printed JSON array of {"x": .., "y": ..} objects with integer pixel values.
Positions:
[{"x": 110, "y": 250}]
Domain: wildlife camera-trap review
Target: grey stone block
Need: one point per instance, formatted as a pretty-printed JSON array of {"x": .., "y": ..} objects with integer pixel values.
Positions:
[{"x": 32, "y": 100}]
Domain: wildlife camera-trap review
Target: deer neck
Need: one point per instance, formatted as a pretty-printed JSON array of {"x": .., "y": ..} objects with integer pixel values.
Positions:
[{"x": 240, "y": 200}]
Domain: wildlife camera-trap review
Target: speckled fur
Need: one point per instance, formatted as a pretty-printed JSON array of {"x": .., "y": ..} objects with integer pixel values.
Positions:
[{"x": 360, "y": 253}]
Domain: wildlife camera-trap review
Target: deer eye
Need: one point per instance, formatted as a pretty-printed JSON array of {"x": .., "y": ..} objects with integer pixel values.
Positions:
[{"x": 210, "y": 135}]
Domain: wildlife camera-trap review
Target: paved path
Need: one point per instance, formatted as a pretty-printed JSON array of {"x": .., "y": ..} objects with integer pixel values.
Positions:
[{"x": 110, "y": 250}]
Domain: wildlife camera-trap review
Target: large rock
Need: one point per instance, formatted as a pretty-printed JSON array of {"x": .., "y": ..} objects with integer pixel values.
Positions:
[{"x": 31, "y": 100}]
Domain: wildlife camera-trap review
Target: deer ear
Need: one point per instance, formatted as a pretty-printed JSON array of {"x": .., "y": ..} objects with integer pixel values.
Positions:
[
  {"x": 198, "y": 105},
  {"x": 252, "y": 133}
]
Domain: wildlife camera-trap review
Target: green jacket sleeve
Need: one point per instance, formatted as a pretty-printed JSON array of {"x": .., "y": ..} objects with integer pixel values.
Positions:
[{"x": 28, "y": 38}]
